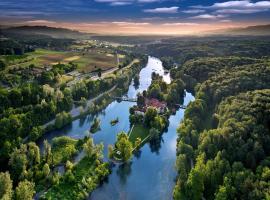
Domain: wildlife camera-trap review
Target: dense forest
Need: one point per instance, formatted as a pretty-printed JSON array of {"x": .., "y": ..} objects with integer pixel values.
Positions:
[
  {"x": 185, "y": 49},
  {"x": 222, "y": 150}
]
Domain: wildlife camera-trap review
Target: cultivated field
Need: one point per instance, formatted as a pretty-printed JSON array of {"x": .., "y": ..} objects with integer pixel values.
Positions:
[{"x": 86, "y": 61}]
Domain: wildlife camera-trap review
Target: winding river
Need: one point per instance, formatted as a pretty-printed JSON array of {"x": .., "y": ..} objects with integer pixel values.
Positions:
[{"x": 150, "y": 175}]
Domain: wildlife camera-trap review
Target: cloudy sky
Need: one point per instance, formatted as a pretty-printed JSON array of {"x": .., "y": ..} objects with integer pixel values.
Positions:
[{"x": 136, "y": 16}]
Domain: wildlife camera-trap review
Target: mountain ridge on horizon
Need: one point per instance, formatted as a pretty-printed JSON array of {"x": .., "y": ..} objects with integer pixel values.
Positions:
[{"x": 58, "y": 32}]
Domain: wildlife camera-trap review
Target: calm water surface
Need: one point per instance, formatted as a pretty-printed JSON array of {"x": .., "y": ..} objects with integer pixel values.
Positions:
[{"x": 150, "y": 175}]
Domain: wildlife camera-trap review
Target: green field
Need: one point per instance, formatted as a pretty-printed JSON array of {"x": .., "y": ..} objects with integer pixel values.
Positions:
[
  {"x": 87, "y": 61},
  {"x": 91, "y": 61},
  {"x": 138, "y": 131}
]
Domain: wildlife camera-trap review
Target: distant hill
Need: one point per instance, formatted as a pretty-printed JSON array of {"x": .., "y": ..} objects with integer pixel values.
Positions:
[
  {"x": 45, "y": 30},
  {"x": 250, "y": 30}
]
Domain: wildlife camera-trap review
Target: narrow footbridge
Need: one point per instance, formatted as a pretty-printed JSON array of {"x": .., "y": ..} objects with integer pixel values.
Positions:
[{"x": 126, "y": 99}]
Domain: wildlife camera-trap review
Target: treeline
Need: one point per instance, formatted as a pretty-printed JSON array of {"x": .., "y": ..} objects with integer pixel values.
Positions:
[
  {"x": 12, "y": 47},
  {"x": 18, "y": 44},
  {"x": 184, "y": 49},
  {"x": 222, "y": 150}
]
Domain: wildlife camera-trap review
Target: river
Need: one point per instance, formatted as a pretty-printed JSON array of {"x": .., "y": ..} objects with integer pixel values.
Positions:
[{"x": 150, "y": 175}]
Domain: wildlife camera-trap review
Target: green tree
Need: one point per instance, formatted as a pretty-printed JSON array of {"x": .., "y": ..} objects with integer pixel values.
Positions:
[
  {"x": 18, "y": 162},
  {"x": 62, "y": 119},
  {"x": 140, "y": 100},
  {"x": 195, "y": 184},
  {"x": 36, "y": 132},
  {"x": 5, "y": 186},
  {"x": 2, "y": 65},
  {"x": 88, "y": 147},
  {"x": 48, "y": 152},
  {"x": 154, "y": 133},
  {"x": 154, "y": 91},
  {"x": 46, "y": 170},
  {"x": 33, "y": 154},
  {"x": 25, "y": 190},
  {"x": 99, "y": 151},
  {"x": 158, "y": 123},
  {"x": 69, "y": 165},
  {"x": 150, "y": 115},
  {"x": 124, "y": 146}
]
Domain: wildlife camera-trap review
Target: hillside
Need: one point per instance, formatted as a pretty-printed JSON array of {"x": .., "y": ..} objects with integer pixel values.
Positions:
[
  {"x": 250, "y": 30},
  {"x": 45, "y": 30}
]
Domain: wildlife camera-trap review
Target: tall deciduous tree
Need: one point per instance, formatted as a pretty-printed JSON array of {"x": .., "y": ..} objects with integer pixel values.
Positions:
[
  {"x": 5, "y": 186},
  {"x": 124, "y": 146},
  {"x": 25, "y": 190}
]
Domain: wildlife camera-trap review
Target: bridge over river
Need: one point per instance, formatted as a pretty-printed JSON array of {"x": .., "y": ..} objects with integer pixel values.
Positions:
[{"x": 125, "y": 98}]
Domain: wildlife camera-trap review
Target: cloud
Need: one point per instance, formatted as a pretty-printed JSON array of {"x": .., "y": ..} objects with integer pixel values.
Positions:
[
  {"x": 225, "y": 20},
  {"x": 120, "y": 3},
  {"x": 239, "y": 11},
  {"x": 242, "y": 4},
  {"x": 40, "y": 21},
  {"x": 116, "y": 2},
  {"x": 148, "y": 1},
  {"x": 125, "y": 2},
  {"x": 180, "y": 24},
  {"x": 208, "y": 16},
  {"x": 193, "y": 11},
  {"x": 164, "y": 10},
  {"x": 237, "y": 7},
  {"x": 131, "y": 23}
]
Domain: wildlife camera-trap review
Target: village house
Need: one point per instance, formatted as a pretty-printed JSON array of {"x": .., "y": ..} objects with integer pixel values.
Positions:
[{"x": 160, "y": 106}]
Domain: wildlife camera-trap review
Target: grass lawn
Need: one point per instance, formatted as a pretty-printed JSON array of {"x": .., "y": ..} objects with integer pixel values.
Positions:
[{"x": 138, "y": 131}]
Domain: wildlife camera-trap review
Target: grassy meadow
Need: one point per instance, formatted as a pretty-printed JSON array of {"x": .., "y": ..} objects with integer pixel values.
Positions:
[{"x": 138, "y": 131}]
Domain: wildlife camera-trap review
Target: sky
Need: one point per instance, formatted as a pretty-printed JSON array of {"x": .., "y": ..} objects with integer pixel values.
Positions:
[{"x": 136, "y": 16}]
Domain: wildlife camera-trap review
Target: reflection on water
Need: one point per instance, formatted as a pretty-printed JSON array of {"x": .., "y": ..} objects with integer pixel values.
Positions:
[{"x": 150, "y": 174}]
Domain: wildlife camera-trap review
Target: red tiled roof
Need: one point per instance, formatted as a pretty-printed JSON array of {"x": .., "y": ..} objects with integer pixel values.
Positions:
[{"x": 155, "y": 103}]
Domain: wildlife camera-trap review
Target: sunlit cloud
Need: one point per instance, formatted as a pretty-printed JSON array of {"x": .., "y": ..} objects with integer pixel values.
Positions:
[
  {"x": 165, "y": 10},
  {"x": 240, "y": 11},
  {"x": 225, "y": 20},
  {"x": 208, "y": 16},
  {"x": 237, "y": 7},
  {"x": 131, "y": 23},
  {"x": 40, "y": 21},
  {"x": 180, "y": 24}
]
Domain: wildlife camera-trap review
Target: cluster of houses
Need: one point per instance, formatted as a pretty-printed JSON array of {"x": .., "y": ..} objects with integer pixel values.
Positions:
[{"x": 160, "y": 106}]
